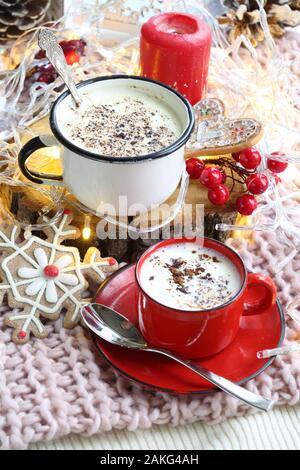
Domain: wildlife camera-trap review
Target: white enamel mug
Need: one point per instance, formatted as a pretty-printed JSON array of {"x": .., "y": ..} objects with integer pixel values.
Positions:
[{"x": 98, "y": 181}]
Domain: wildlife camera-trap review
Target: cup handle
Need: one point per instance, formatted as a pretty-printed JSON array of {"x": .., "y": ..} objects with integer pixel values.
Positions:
[
  {"x": 25, "y": 152},
  {"x": 260, "y": 294}
]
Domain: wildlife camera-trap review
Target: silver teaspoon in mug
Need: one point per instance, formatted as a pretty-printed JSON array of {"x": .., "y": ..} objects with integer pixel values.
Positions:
[
  {"x": 54, "y": 53},
  {"x": 116, "y": 329}
]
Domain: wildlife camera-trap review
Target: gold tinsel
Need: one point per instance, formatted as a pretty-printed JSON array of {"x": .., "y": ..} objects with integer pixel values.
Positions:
[{"x": 243, "y": 17}]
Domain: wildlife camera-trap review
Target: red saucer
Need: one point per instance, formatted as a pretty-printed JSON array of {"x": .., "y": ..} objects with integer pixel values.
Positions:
[{"x": 238, "y": 362}]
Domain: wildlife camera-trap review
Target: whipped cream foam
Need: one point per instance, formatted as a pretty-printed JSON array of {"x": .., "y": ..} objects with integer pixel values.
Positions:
[{"x": 186, "y": 276}]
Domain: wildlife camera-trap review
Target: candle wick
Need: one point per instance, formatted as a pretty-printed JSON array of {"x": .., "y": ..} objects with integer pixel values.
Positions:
[{"x": 175, "y": 31}]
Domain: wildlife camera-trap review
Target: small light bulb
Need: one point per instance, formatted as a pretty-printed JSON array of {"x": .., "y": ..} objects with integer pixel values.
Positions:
[
  {"x": 55, "y": 153},
  {"x": 86, "y": 232}
]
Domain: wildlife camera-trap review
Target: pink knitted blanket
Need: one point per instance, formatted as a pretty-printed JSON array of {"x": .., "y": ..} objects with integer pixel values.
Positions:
[
  {"x": 50, "y": 388},
  {"x": 57, "y": 386}
]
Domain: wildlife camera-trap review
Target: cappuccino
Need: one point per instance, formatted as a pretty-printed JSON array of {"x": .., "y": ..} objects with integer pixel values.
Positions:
[{"x": 186, "y": 276}]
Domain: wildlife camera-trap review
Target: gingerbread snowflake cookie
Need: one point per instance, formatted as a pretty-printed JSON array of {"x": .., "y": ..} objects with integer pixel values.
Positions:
[{"x": 44, "y": 277}]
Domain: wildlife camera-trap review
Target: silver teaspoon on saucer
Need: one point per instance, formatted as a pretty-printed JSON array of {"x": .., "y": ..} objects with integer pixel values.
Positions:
[
  {"x": 116, "y": 329},
  {"x": 54, "y": 53}
]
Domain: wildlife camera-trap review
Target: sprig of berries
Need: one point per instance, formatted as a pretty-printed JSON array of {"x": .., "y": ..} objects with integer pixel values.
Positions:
[{"x": 243, "y": 169}]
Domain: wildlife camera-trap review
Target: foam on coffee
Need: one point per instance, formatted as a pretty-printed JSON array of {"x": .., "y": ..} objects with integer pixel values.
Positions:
[
  {"x": 186, "y": 276},
  {"x": 122, "y": 122}
]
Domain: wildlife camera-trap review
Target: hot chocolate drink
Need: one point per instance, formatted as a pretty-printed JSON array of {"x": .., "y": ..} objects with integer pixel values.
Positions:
[
  {"x": 123, "y": 123},
  {"x": 186, "y": 276}
]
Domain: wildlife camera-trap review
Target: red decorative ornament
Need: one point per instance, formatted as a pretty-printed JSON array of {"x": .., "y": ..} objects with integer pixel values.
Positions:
[
  {"x": 219, "y": 195},
  {"x": 51, "y": 271},
  {"x": 250, "y": 158},
  {"x": 211, "y": 177},
  {"x": 246, "y": 204},
  {"x": 72, "y": 56},
  {"x": 78, "y": 45},
  {"x": 67, "y": 211},
  {"x": 194, "y": 167},
  {"x": 257, "y": 183},
  {"x": 73, "y": 51}
]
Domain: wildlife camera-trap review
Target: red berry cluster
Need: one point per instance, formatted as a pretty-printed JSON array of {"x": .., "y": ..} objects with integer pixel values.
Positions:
[
  {"x": 247, "y": 162},
  {"x": 212, "y": 178},
  {"x": 73, "y": 50}
]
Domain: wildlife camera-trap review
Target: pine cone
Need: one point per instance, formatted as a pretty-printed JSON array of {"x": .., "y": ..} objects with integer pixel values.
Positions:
[
  {"x": 18, "y": 16},
  {"x": 243, "y": 17},
  {"x": 295, "y": 4}
]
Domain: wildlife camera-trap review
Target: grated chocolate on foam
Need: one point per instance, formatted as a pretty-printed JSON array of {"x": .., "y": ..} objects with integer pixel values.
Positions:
[{"x": 106, "y": 130}]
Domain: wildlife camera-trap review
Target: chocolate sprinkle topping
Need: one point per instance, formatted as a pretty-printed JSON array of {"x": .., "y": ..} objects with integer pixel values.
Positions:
[
  {"x": 211, "y": 290},
  {"x": 128, "y": 133}
]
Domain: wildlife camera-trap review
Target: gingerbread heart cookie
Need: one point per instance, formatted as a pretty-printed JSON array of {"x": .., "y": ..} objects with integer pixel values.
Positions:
[{"x": 215, "y": 134}]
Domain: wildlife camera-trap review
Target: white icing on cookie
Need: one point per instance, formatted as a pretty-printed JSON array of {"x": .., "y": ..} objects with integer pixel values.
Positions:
[{"x": 40, "y": 279}]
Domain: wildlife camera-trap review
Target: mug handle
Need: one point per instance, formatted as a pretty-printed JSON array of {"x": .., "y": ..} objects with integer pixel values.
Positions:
[
  {"x": 262, "y": 289},
  {"x": 25, "y": 152}
]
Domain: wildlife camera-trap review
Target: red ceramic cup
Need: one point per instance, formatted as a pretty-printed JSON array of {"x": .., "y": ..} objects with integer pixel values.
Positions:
[{"x": 194, "y": 334}]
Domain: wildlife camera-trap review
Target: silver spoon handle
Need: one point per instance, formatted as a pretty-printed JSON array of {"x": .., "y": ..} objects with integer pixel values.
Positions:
[
  {"x": 48, "y": 42},
  {"x": 227, "y": 386}
]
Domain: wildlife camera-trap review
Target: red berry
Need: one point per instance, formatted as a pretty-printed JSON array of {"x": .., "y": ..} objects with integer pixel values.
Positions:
[
  {"x": 246, "y": 204},
  {"x": 257, "y": 183},
  {"x": 22, "y": 334},
  {"x": 236, "y": 156},
  {"x": 51, "y": 270},
  {"x": 112, "y": 261},
  {"x": 250, "y": 158},
  {"x": 277, "y": 166},
  {"x": 219, "y": 195},
  {"x": 194, "y": 167},
  {"x": 211, "y": 177},
  {"x": 67, "y": 211}
]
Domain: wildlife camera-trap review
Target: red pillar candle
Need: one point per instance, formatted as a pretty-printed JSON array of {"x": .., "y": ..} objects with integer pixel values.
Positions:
[{"x": 175, "y": 49}]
